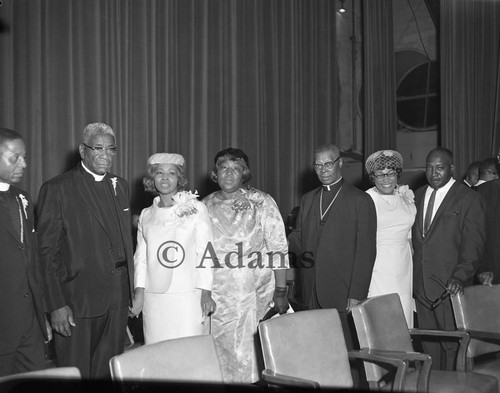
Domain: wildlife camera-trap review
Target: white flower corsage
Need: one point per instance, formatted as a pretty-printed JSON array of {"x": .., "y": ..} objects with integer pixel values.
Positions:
[
  {"x": 405, "y": 193},
  {"x": 185, "y": 203},
  {"x": 25, "y": 204},
  {"x": 114, "y": 180}
]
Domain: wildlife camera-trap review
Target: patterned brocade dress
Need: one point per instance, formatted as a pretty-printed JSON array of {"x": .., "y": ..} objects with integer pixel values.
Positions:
[
  {"x": 245, "y": 230},
  {"x": 393, "y": 268}
]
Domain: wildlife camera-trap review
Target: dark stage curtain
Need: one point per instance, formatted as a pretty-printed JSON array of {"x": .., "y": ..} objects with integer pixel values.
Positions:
[
  {"x": 379, "y": 77},
  {"x": 186, "y": 76},
  {"x": 470, "y": 36}
]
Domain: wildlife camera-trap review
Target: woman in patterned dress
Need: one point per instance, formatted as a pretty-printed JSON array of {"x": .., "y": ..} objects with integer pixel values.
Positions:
[{"x": 250, "y": 254}]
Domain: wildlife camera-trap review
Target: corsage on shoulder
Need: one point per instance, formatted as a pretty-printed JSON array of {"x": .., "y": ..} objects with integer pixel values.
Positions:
[
  {"x": 405, "y": 193},
  {"x": 185, "y": 202}
]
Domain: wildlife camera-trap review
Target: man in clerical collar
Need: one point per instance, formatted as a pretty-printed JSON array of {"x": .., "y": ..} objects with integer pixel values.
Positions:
[
  {"x": 23, "y": 324},
  {"x": 334, "y": 240},
  {"x": 86, "y": 249}
]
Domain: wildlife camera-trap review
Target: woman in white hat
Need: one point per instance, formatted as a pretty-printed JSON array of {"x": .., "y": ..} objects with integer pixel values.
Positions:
[
  {"x": 172, "y": 235},
  {"x": 392, "y": 271}
]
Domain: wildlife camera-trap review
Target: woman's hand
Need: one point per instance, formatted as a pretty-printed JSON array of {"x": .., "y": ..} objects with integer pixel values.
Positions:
[
  {"x": 280, "y": 300},
  {"x": 137, "y": 303},
  {"x": 208, "y": 305}
]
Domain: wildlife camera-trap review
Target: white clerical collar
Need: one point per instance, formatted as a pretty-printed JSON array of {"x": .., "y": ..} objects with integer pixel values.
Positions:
[
  {"x": 96, "y": 177},
  {"x": 4, "y": 186},
  {"x": 327, "y": 186}
]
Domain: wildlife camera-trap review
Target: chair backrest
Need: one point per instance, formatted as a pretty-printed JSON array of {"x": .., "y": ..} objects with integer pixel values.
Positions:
[
  {"x": 381, "y": 324},
  {"x": 187, "y": 359},
  {"x": 307, "y": 344},
  {"x": 478, "y": 308},
  {"x": 57, "y": 373}
]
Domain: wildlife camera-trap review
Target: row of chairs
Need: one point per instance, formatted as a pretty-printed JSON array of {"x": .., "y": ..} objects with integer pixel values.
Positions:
[
  {"x": 307, "y": 350},
  {"x": 318, "y": 347}
]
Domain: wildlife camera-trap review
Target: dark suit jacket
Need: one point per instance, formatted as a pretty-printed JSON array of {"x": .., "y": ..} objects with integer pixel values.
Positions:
[
  {"x": 490, "y": 192},
  {"x": 340, "y": 261},
  {"x": 75, "y": 249},
  {"x": 454, "y": 244},
  {"x": 19, "y": 274}
]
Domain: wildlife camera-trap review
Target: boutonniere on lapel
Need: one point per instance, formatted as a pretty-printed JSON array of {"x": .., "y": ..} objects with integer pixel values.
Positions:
[
  {"x": 24, "y": 201},
  {"x": 114, "y": 180}
]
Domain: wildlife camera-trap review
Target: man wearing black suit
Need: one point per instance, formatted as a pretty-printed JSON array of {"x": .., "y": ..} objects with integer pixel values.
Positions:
[
  {"x": 85, "y": 242},
  {"x": 490, "y": 264},
  {"x": 23, "y": 324},
  {"x": 448, "y": 241},
  {"x": 335, "y": 239}
]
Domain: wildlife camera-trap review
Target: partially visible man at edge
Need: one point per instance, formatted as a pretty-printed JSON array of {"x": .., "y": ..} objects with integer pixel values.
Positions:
[{"x": 23, "y": 324}]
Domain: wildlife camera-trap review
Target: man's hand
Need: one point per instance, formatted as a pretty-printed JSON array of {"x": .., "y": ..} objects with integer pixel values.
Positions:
[
  {"x": 137, "y": 303},
  {"x": 48, "y": 328},
  {"x": 486, "y": 278},
  {"x": 454, "y": 287},
  {"x": 62, "y": 320},
  {"x": 351, "y": 302}
]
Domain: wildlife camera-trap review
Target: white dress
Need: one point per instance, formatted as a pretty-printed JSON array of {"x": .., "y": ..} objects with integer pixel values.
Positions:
[
  {"x": 171, "y": 242},
  {"x": 393, "y": 268}
]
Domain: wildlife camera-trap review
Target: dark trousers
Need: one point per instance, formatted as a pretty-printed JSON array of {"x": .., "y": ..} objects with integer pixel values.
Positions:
[
  {"x": 94, "y": 341},
  {"x": 443, "y": 353},
  {"x": 30, "y": 352}
]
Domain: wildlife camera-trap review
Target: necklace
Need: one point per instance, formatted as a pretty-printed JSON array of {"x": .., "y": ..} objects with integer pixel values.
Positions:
[{"x": 321, "y": 213}]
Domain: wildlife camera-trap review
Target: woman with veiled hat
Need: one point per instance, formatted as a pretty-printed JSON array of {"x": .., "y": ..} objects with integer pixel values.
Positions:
[
  {"x": 393, "y": 268},
  {"x": 247, "y": 227},
  {"x": 172, "y": 235}
]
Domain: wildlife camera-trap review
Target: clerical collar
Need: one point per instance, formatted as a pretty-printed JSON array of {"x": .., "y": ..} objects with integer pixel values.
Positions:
[
  {"x": 96, "y": 177},
  {"x": 328, "y": 187},
  {"x": 4, "y": 186}
]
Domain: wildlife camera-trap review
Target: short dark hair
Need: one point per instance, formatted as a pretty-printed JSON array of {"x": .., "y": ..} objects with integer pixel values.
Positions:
[
  {"x": 6, "y": 134},
  {"x": 441, "y": 150},
  {"x": 486, "y": 165},
  {"x": 149, "y": 182},
  {"x": 232, "y": 154}
]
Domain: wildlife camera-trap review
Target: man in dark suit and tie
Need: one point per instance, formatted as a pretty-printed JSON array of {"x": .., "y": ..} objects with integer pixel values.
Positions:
[
  {"x": 85, "y": 242},
  {"x": 448, "y": 240},
  {"x": 23, "y": 324},
  {"x": 334, "y": 239}
]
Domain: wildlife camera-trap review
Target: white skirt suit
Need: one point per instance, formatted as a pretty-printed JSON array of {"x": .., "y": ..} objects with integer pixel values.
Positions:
[{"x": 171, "y": 243}]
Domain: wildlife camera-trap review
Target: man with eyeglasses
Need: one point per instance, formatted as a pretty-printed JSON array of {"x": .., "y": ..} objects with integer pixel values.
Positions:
[
  {"x": 334, "y": 240},
  {"x": 448, "y": 240},
  {"x": 85, "y": 242}
]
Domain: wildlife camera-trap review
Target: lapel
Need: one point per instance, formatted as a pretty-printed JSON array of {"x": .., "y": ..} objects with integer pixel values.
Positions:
[
  {"x": 6, "y": 222},
  {"x": 420, "y": 212},
  {"x": 118, "y": 194},
  {"x": 88, "y": 196},
  {"x": 448, "y": 200},
  {"x": 312, "y": 210}
]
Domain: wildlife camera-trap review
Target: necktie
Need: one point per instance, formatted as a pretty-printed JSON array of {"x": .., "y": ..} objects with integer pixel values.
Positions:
[{"x": 428, "y": 213}]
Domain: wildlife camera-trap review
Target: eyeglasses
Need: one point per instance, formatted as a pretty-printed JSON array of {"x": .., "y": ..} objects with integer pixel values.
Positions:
[
  {"x": 327, "y": 165},
  {"x": 100, "y": 150},
  {"x": 433, "y": 304},
  {"x": 383, "y": 175}
]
